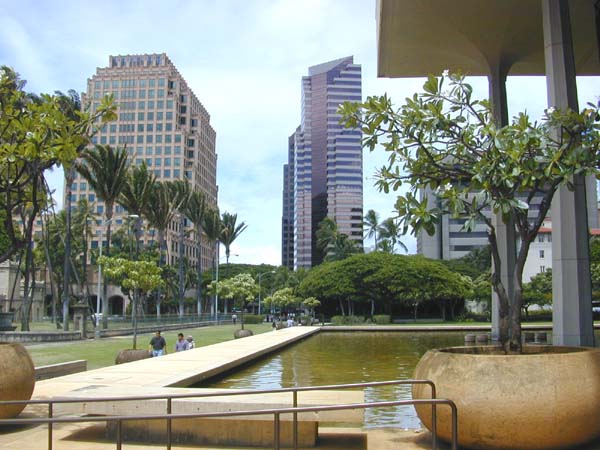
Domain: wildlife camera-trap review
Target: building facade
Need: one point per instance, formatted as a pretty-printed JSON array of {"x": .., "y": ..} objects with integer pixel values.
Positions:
[
  {"x": 324, "y": 162},
  {"x": 161, "y": 122},
  {"x": 451, "y": 241}
]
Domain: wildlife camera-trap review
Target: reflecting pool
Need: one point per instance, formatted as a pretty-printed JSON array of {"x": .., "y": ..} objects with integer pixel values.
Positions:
[{"x": 352, "y": 357}]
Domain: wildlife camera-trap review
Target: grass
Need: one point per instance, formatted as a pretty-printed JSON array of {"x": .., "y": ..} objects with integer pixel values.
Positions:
[{"x": 102, "y": 353}]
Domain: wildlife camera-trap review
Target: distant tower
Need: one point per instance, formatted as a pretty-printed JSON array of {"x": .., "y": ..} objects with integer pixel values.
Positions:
[
  {"x": 327, "y": 160},
  {"x": 160, "y": 121}
]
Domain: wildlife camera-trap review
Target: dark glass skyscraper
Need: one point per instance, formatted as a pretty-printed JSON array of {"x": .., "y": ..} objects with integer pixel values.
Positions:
[{"x": 325, "y": 162}]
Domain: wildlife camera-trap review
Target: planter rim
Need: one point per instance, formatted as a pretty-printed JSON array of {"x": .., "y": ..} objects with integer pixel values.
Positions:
[{"x": 528, "y": 350}]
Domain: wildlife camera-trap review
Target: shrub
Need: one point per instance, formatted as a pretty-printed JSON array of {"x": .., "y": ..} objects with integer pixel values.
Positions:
[
  {"x": 382, "y": 319},
  {"x": 347, "y": 320},
  {"x": 253, "y": 318}
]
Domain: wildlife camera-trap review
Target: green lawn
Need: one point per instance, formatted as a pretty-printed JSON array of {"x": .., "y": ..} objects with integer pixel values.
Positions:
[{"x": 102, "y": 353}]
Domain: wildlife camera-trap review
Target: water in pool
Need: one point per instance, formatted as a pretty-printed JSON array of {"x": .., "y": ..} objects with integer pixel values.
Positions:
[{"x": 339, "y": 358}]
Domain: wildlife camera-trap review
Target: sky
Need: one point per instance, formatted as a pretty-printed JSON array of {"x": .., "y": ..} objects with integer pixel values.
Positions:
[{"x": 244, "y": 60}]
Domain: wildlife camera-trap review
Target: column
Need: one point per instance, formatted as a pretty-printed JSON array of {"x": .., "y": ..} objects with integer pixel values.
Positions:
[{"x": 571, "y": 284}]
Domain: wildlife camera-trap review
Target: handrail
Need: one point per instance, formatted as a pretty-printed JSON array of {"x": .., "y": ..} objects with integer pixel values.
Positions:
[
  {"x": 170, "y": 397},
  {"x": 276, "y": 413}
]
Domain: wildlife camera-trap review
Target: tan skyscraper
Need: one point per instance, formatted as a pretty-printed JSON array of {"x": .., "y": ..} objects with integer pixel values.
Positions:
[{"x": 162, "y": 122}]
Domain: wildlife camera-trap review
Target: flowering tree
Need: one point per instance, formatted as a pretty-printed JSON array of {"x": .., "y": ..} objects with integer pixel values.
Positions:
[
  {"x": 444, "y": 141},
  {"x": 141, "y": 277},
  {"x": 242, "y": 289}
]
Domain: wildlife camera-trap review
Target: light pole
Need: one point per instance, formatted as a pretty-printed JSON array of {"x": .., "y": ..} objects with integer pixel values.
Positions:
[
  {"x": 97, "y": 331},
  {"x": 260, "y": 275}
]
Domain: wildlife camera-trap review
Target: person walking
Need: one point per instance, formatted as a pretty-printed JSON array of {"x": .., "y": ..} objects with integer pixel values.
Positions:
[
  {"x": 181, "y": 343},
  {"x": 191, "y": 342},
  {"x": 158, "y": 345}
]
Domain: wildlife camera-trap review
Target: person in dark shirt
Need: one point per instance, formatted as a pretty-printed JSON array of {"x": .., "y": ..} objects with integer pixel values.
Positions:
[{"x": 158, "y": 345}]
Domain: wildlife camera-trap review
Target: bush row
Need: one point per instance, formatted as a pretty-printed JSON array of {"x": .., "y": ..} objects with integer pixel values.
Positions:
[{"x": 380, "y": 319}]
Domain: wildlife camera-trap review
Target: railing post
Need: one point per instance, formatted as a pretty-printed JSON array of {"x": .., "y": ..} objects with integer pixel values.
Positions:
[
  {"x": 295, "y": 424},
  {"x": 276, "y": 432},
  {"x": 119, "y": 434},
  {"x": 433, "y": 417},
  {"x": 50, "y": 414},
  {"x": 169, "y": 411},
  {"x": 454, "y": 426}
]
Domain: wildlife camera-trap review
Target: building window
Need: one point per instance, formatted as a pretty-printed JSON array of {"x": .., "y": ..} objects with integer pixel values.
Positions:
[
  {"x": 541, "y": 253},
  {"x": 540, "y": 238},
  {"x": 542, "y": 269}
]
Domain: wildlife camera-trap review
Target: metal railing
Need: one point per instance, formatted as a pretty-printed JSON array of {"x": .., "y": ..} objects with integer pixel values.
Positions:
[{"x": 50, "y": 420}]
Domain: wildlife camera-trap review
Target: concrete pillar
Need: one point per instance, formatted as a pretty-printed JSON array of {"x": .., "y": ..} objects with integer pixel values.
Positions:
[
  {"x": 505, "y": 233},
  {"x": 571, "y": 284}
]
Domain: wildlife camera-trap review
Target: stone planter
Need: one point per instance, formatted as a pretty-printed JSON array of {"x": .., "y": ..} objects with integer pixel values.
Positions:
[
  {"x": 237, "y": 334},
  {"x": 130, "y": 355},
  {"x": 17, "y": 378},
  {"x": 546, "y": 398}
]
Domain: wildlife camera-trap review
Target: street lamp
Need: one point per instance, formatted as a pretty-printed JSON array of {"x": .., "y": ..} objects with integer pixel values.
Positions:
[
  {"x": 260, "y": 275},
  {"x": 97, "y": 331}
]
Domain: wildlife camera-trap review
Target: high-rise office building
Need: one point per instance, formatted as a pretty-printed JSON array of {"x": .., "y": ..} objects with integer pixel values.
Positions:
[
  {"x": 161, "y": 122},
  {"x": 287, "y": 219},
  {"x": 324, "y": 162}
]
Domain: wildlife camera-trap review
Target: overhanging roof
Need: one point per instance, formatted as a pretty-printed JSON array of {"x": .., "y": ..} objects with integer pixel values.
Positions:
[{"x": 420, "y": 37}]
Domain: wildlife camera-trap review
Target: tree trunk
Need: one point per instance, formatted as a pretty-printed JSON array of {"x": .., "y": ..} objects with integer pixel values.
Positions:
[
  {"x": 109, "y": 215},
  {"x": 503, "y": 301},
  {"x": 181, "y": 268},
  {"x": 415, "y": 307},
  {"x": 27, "y": 300},
  {"x": 372, "y": 308},
  {"x": 199, "y": 272},
  {"x": 342, "y": 307},
  {"x": 134, "y": 318},
  {"x": 67, "y": 243},
  {"x": 161, "y": 238}
]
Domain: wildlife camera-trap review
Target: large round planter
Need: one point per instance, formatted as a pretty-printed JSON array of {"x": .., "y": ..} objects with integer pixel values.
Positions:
[
  {"x": 546, "y": 398},
  {"x": 17, "y": 378},
  {"x": 130, "y": 355},
  {"x": 238, "y": 334}
]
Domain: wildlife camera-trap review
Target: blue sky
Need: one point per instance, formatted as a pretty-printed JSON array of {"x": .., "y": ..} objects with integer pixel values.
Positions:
[{"x": 244, "y": 60}]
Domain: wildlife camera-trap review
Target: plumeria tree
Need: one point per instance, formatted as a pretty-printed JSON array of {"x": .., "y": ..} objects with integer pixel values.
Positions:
[
  {"x": 138, "y": 277},
  {"x": 282, "y": 298},
  {"x": 444, "y": 141},
  {"x": 241, "y": 289},
  {"x": 311, "y": 303}
]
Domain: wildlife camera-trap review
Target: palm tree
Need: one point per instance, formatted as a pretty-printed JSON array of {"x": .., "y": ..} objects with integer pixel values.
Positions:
[
  {"x": 195, "y": 210},
  {"x": 326, "y": 235},
  {"x": 71, "y": 106},
  {"x": 182, "y": 193},
  {"x": 105, "y": 169},
  {"x": 83, "y": 215},
  {"x": 372, "y": 223},
  {"x": 342, "y": 248},
  {"x": 163, "y": 203},
  {"x": 390, "y": 230},
  {"x": 229, "y": 233},
  {"x": 212, "y": 231},
  {"x": 136, "y": 194}
]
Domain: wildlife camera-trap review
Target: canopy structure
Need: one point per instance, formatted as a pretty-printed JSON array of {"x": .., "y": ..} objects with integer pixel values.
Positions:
[
  {"x": 419, "y": 37},
  {"x": 495, "y": 38}
]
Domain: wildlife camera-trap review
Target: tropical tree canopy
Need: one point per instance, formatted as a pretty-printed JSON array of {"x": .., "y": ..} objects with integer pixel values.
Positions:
[
  {"x": 445, "y": 142},
  {"x": 36, "y": 134}
]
